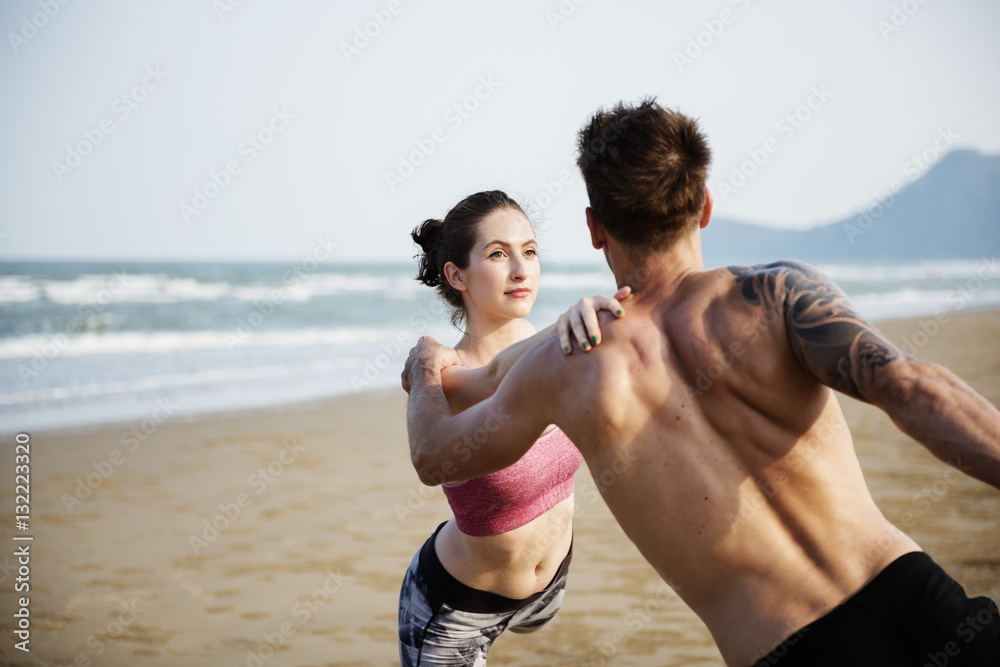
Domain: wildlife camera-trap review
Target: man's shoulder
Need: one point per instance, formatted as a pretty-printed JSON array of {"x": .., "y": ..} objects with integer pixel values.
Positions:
[
  {"x": 771, "y": 282},
  {"x": 791, "y": 268},
  {"x": 547, "y": 372},
  {"x": 549, "y": 362},
  {"x": 547, "y": 356},
  {"x": 634, "y": 340}
]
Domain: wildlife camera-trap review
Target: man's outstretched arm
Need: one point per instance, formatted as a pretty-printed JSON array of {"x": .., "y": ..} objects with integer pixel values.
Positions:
[
  {"x": 488, "y": 436},
  {"x": 843, "y": 351},
  {"x": 465, "y": 387}
]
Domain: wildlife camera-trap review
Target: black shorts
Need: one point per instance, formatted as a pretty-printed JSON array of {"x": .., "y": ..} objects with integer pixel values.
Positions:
[{"x": 911, "y": 615}]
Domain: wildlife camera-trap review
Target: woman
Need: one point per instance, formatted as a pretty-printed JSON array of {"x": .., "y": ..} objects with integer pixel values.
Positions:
[{"x": 501, "y": 562}]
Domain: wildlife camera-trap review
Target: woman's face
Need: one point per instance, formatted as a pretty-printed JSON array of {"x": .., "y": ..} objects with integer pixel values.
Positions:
[{"x": 501, "y": 280}]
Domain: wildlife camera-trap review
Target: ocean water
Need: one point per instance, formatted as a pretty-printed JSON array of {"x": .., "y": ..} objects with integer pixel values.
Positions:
[{"x": 96, "y": 342}]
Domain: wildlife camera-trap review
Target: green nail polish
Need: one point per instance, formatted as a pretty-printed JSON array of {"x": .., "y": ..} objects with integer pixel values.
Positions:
[
  {"x": 566, "y": 350},
  {"x": 593, "y": 339},
  {"x": 620, "y": 312},
  {"x": 584, "y": 346}
]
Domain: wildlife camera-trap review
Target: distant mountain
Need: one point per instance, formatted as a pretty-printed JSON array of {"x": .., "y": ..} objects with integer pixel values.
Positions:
[{"x": 951, "y": 212}]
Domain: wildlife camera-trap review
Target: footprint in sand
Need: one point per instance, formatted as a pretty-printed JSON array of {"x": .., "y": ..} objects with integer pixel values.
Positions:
[
  {"x": 87, "y": 567},
  {"x": 255, "y": 615},
  {"x": 225, "y": 593}
]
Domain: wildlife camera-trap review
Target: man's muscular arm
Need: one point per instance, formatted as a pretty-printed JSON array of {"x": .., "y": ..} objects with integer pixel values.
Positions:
[
  {"x": 488, "y": 436},
  {"x": 465, "y": 387},
  {"x": 843, "y": 351}
]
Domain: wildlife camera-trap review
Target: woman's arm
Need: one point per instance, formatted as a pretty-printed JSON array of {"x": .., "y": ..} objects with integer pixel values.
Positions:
[{"x": 464, "y": 387}]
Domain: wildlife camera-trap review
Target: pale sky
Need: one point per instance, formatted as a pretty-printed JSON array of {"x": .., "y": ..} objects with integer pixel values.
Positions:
[{"x": 115, "y": 113}]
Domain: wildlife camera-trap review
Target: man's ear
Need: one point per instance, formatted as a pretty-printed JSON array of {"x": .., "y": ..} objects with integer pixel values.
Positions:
[
  {"x": 454, "y": 276},
  {"x": 706, "y": 213},
  {"x": 598, "y": 237}
]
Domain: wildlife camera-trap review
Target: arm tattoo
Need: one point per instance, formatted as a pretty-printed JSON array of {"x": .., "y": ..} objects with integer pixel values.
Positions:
[{"x": 831, "y": 341}]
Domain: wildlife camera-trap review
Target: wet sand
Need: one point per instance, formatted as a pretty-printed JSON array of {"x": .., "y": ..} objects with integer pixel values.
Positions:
[{"x": 280, "y": 537}]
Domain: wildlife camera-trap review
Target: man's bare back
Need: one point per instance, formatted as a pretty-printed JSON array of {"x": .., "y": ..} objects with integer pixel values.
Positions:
[
  {"x": 742, "y": 488},
  {"x": 739, "y": 444}
]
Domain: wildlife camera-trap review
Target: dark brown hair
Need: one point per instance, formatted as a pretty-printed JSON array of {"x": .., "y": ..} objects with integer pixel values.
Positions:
[
  {"x": 451, "y": 240},
  {"x": 645, "y": 169}
]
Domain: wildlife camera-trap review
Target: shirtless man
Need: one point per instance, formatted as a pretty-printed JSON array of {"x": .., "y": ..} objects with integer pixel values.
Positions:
[{"x": 745, "y": 493}]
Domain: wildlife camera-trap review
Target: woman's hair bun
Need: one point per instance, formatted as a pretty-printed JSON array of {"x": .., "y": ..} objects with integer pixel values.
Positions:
[{"x": 426, "y": 235}]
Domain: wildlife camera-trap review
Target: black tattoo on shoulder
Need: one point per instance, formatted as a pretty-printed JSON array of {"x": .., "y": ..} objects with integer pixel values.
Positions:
[{"x": 831, "y": 341}]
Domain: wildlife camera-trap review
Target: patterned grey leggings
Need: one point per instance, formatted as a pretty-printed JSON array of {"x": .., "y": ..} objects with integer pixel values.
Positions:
[{"x": 444, "y": 622}]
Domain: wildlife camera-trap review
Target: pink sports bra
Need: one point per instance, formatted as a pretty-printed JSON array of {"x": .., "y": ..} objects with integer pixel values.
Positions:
[{"x": 509, "y": 498}]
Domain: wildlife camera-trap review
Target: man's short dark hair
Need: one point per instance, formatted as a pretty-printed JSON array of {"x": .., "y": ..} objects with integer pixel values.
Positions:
[{"x": 645, "y": 168}]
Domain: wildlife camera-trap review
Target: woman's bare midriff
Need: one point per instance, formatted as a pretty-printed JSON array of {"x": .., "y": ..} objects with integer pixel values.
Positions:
[{"x": 515, "y": 564}]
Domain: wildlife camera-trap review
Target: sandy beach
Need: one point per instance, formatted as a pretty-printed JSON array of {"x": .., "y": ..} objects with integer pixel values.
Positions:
[{"x": 280, "y": 537}]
